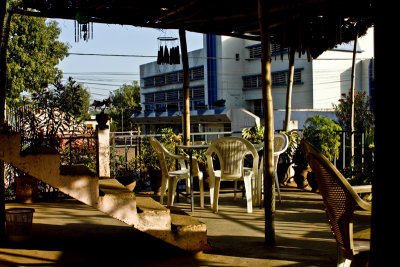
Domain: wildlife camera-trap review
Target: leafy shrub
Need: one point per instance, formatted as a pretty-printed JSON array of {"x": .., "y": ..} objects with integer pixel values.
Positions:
[{"x": 323, "y": 133}]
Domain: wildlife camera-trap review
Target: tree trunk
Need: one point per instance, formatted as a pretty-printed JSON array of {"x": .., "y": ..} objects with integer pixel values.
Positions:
[
  {"x": 269, "y": 196},
  {"x": 186, "y": 103}
]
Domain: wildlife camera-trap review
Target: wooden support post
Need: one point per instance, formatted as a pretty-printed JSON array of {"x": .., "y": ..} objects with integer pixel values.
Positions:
[
  {"x": 269, "y": 194},
  {"x": 353, "y": 74},
  {"x": 289, "y": 88},
  {"x": 186, "y": 96}
]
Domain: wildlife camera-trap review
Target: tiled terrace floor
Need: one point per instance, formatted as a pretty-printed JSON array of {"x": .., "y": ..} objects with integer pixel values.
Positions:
[{"x": 67, "y": 233}]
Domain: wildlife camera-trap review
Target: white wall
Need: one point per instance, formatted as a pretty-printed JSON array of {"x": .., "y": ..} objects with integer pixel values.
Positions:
[
  {"x": 232, "y": 71},
  {"x": 332, "y": 72},
  {"x": 300, "y": 115}
]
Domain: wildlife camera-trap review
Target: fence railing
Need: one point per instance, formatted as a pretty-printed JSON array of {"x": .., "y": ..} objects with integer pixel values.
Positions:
[
  {"x": 77, "y": 147},
  {"x": 130, "y": 145}
]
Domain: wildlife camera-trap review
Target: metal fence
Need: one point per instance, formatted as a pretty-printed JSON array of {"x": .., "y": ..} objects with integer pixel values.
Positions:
[{"x": 79, "y": 147}]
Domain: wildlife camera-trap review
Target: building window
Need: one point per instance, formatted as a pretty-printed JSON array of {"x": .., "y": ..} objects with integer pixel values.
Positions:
[
  {"x": 148, "y": 82},
  {"x": 171, "y": 95},
  {"x": 160, "y": 96},
  {"x": 172, "y": 99},
  {"x": 251, "y": 82},
  {"x": 197, "y": 92},
  {"x": 171, "y": 77},
  {"x": 279, "y": 78},
  {"x": 149, "y": 98},
  {"x": 255, "y": 50},
  {"x": 195, "y": 73},
  {"x": 277, "y": 49}
]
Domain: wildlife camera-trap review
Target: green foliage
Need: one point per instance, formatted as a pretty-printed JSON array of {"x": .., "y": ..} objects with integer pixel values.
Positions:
[
  {"x": 147, "y": 159},
  {"x": 254, "y": 134},
  {"x": 33, "y": 54},
  {"x": 74, "y": 99},
  {"x": 52, "y": 113},
  {"x": 294, "y": 138},
  {"x": 324, "y": 134},
  {"x": 170, "y": 139},
  {"x": 363, "y": 116},
  {"x": 125, "y": 102}
]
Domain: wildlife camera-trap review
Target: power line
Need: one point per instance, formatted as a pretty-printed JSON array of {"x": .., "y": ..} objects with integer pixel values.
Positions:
[{"x": 107, "y": 55}]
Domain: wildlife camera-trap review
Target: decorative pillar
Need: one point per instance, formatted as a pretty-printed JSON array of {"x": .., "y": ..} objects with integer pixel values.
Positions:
[{"x": 103, "y": 145}]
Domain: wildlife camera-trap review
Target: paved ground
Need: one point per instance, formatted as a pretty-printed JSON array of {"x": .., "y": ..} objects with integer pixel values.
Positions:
[{"x": 67, "y": 233}]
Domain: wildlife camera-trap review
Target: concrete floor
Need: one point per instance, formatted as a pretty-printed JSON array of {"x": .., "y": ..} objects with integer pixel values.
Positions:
[{"x": 68, "y": 233}]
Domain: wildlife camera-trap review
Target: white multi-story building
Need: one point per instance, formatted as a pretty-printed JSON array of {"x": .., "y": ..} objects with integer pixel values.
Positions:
[{"x": 229, "y": 69}]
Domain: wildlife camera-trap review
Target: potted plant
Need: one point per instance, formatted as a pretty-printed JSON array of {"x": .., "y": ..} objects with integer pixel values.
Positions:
[
  {"x": 286, "y": 158},
  {"x": 254, "y": 134},
  {"x": 148, "y": 161},
  {"x": 149, "y": 166},
  {"x": 301, "y": 168},
  {"x": 26, "y": 189}
]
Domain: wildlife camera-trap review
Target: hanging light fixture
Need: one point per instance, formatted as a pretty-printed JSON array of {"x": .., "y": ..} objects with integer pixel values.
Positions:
[
  {"x": 167, "y": 55},
  {"x": 83, "y": 27}
]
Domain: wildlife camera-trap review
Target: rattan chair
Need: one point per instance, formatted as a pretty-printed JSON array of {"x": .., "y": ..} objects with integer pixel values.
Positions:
[
  {"x": 340, "y": 200},
  {"x": 171, "y": 178},
  {"x": 231, "y": 152}
]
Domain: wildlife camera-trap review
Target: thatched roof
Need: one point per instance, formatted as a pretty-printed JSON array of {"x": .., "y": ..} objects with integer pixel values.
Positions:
[{"x": 307, "y": 25}]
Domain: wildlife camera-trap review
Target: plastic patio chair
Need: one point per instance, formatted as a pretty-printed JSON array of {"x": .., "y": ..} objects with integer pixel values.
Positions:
[
  {"x": 340, "y": 200},
  {"x": 171, "y": 178},
  {"x": 281, "y": 142},
  {"x": 231, "y": 152}
]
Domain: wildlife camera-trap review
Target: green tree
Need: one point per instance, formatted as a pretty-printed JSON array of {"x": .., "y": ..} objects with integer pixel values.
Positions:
[
  {"x": 125, "y": 102},
  {"x": 74, "y": 99},
  {"x": 363, "y": 116},
  {"x": 32, "y": 55}
]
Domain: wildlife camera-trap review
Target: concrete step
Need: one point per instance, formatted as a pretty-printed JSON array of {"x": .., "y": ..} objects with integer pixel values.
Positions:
[
  {"x": 188, "y": 232},
  {"x": 76, "y": 169},
  {"x": 172, "y": 226},
  {"x": 117, "y": 201},
  {"x": 107, "y": 195}
]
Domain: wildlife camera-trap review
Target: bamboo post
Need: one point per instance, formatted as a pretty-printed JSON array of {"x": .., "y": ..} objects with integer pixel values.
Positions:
[
  {"x": 289, "y": 88},
  {"x": 269, "y": 196},
  {"x": 186, "y": 103},
  {"x": 353, "y": 73}
]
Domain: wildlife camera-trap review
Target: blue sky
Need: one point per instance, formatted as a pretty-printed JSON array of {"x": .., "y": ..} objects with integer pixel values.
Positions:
[{"x": 102, "y": 74}]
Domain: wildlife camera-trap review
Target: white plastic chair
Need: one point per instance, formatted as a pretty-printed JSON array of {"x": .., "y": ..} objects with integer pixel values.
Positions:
[
  {"x": 281, "y": 142},
  {"x": 231, "y": 152},
  {"x": 171, "y": 178}
]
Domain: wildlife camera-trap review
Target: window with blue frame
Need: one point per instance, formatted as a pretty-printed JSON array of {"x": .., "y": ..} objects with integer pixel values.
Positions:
[
  {"x": 195, "y": 73},
  {"x": 172, "y": 99},
  {"x": 255, "y": 50},
  {"x": 279, "y": 78}
]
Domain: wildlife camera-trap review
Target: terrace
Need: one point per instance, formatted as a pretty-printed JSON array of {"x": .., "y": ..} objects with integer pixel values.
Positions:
[
  {"x": 319, "y": 23},
  {"x": 68, "y": 233}
]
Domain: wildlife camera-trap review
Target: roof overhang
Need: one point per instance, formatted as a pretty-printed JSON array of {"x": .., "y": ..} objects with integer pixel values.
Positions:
[
  {"x": 175, "y": 117},
  {"x": 307, "y": 25}
]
